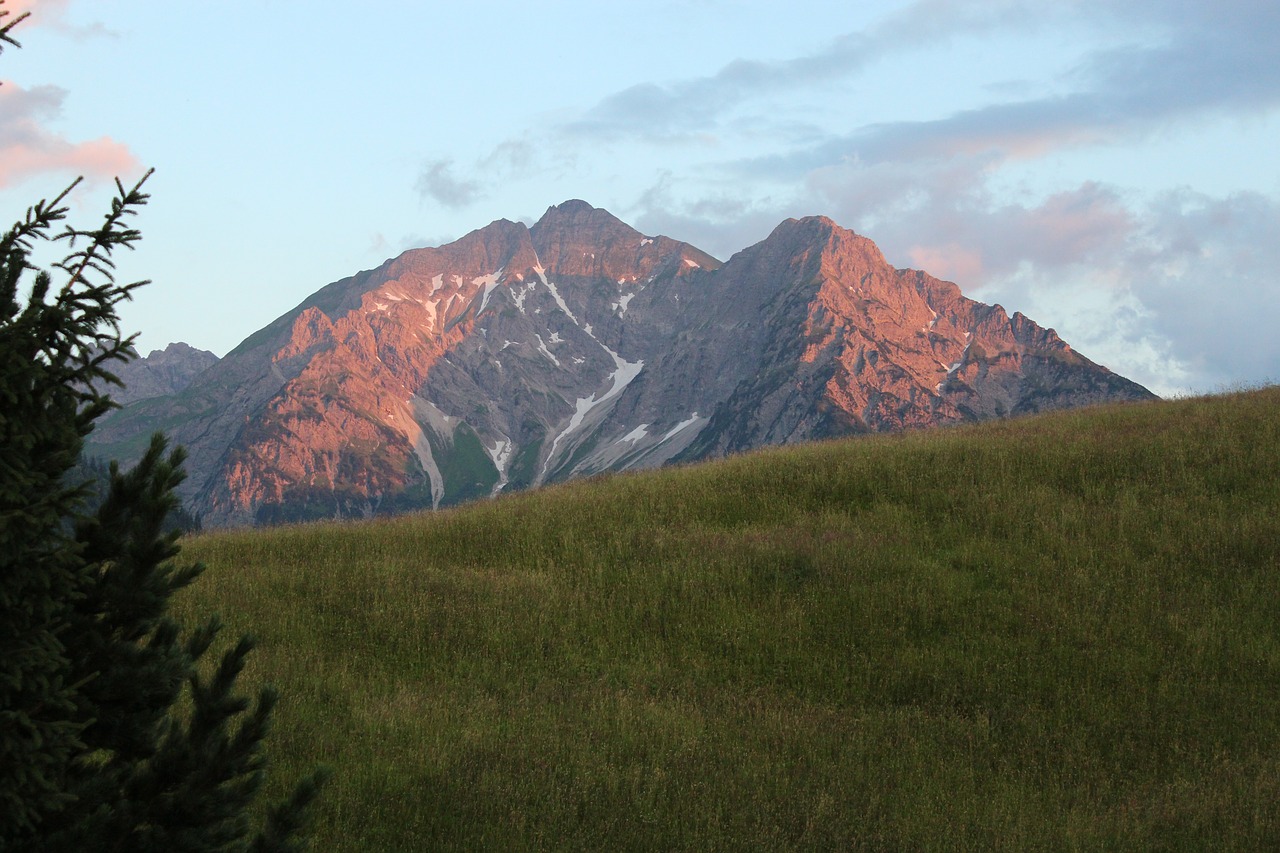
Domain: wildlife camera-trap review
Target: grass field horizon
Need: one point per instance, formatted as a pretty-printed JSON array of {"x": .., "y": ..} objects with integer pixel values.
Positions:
[{"x": 1056, "y": 632}]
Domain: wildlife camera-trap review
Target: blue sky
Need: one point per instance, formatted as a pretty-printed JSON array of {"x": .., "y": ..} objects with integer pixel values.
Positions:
[{"x": 1110, "y": 169}]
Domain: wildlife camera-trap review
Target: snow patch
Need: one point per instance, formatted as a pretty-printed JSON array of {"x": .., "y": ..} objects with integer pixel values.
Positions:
[
  {"x": 683, "y": 425},
  {"x": 556, "y": 339},
  {"x": 623, "y": 301},
  {"x": 555, "y": 294},
  {"x": 622, "y": 376},
  {"x": 646, "y": 241},
  {"x": 500, "y": 453},
  {"x": 437, "y": 283},
  {"x": 693, "y": 264},
  {"x": 519, "y": 295},
  {"x": 430, "y": 308},
  {"x": 951, "y": 369},
  {"x": 635, "y": 435},
  {"x": 542, "y": 348},
  {"x": 489, "y": 281},
  {"x": 413, "y": 420}
]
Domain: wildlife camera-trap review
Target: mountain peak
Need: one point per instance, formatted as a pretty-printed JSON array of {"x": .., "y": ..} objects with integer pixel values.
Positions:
[
  {"x": 571, "y": 206},
  {"x": 574, "y": 238},
  {"x": 822, "y": 229},
  {"x": 162, "y": 372},
  {"x": 575, "y": 214}
]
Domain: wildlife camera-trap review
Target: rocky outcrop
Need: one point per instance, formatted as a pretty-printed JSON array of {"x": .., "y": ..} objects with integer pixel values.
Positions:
[{"x": 518, "y": 356}]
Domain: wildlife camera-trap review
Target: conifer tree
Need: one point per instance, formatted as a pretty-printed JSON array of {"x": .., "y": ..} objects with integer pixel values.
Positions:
[{"x": 95, "y": 753}]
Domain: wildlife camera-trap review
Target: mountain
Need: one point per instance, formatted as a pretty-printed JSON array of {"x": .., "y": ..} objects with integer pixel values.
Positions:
[
  {"x": 518, "y": 356},
  {"x": 163, "y": 372}
]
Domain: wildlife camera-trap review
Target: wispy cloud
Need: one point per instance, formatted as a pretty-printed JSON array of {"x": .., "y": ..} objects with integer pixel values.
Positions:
[
  {"x": 676, "y": 110},
  {"x": 436, "y": 182},
  {"x": 29, "y": 147},
  {"x": 1204, "y": 68}
]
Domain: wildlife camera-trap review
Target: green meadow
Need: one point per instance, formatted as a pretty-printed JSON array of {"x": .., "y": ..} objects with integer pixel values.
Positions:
[{"x": 1051, "y": 633}]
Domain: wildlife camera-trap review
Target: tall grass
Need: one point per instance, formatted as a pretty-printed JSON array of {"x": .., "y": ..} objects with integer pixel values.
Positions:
[{"x": 1053, "y": 633}]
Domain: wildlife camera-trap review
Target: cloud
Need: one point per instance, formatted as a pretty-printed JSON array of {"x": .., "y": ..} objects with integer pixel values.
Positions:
[
  {"x": 1188, "y": 61},
  {"x": 1205, "y": 268},
  {"x": 53, "y": 14},
  {"x": 28, "y": 147},
  {"x": 446, "y": 182},
  {"x": 516, "y": 156},
  {"x": 719, "y": 224},
  {"x": 678, "y": 110},
  {"x": 943, "y": 216},
  {"x": 1206, "y": 67},
  {"x": 436, "y": 182}
]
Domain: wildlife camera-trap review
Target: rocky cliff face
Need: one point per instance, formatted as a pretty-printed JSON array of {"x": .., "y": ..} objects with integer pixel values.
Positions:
[{"x": 519, "y": 356}]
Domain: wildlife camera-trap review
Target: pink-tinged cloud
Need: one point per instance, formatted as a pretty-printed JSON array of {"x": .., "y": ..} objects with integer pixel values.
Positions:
[
  {"x": 1074, "y": 227},
  {"x": 28, "y": 147},
  {"x": 53, "y": 14},
  {"x": 98, "y": 158},
  {"x": 42, "y": 11},
  {"x": 950, "y": 262}
]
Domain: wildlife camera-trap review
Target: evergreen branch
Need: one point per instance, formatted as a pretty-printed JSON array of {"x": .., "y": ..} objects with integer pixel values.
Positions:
[
  {"x": 39, "y": 219},
  {"x": 5, "y": 28},
  {"x": 104, "y": 240},
  {"x": 287, "y": 822}
]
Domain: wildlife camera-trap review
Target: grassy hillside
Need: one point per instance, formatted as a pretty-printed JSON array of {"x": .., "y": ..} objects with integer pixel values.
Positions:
[{"x": 1053, "y": 633}]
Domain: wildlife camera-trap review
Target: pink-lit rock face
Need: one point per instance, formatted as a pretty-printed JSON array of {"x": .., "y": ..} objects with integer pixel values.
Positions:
[{"x": 518, "y": 356}]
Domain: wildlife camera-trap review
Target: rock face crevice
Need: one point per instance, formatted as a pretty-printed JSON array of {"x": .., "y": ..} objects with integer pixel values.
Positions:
[{"x": 518, "y": 356}]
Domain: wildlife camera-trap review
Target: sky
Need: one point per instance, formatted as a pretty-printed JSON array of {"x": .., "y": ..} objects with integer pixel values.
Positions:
[{"x": 1110, "y": 169}]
